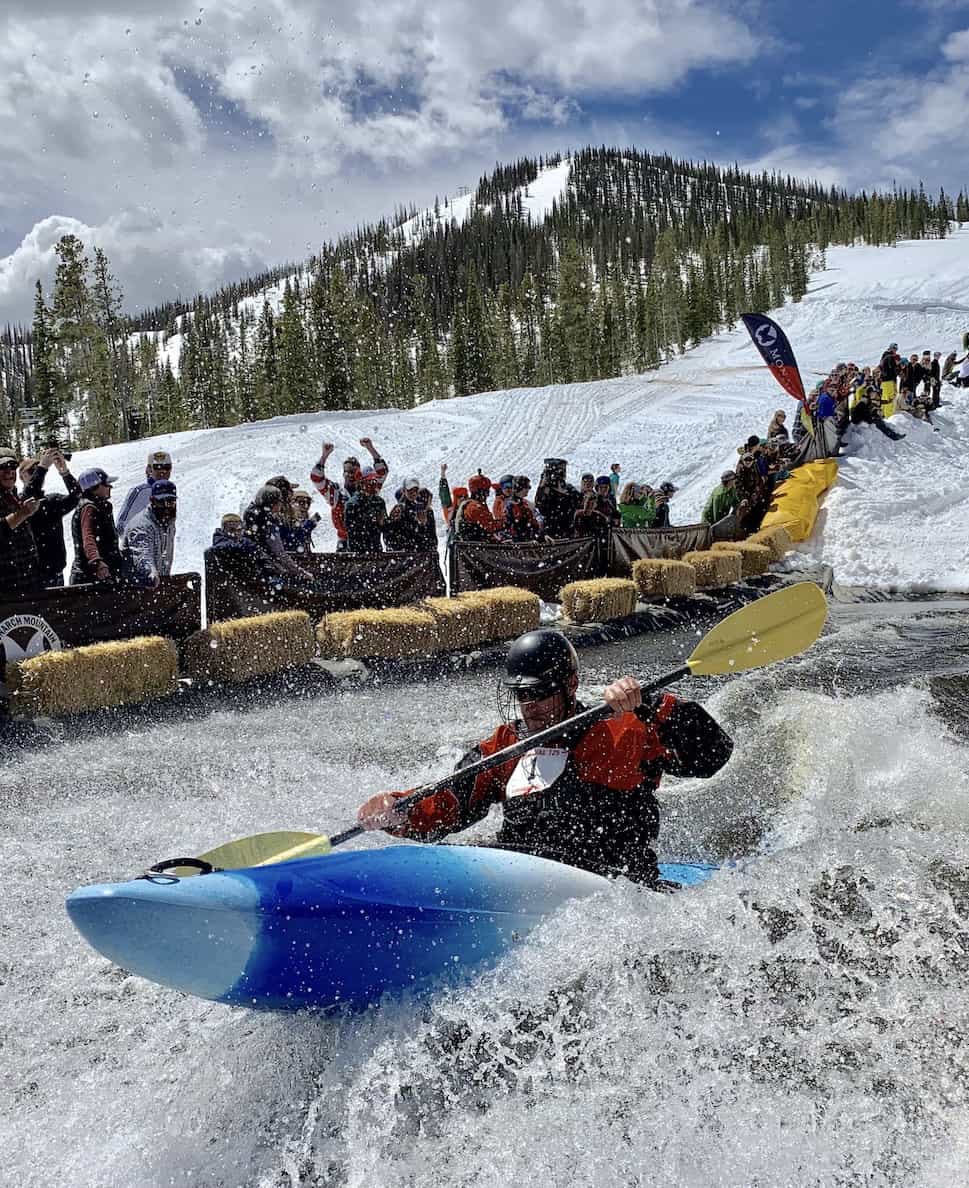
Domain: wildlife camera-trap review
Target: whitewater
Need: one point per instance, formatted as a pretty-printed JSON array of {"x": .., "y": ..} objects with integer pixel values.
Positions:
[{"x": 799, "y": 1021}]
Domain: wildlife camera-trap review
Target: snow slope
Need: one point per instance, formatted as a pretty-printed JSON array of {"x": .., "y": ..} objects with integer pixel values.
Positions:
[{"x": 899, "y": 516}]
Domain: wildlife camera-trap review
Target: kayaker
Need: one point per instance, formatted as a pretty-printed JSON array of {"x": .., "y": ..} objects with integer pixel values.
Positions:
[{"x": 588, "y": 800}]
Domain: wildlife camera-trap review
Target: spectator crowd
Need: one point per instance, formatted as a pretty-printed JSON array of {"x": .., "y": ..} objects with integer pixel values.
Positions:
[{"x": 276, "y": 529}]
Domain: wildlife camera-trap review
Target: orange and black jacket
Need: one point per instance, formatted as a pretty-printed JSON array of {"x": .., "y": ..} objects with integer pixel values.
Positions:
[{"x": 601, "y": 813}]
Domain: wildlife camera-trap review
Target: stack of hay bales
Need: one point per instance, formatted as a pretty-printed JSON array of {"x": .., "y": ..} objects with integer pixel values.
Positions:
[
  {"x": 598, "y": 600},
  {"x": 459, "y": 625},
  {"x": 510, "y": 611},
  {"x": 97, "y": 676},
  {"x": 777, "y": 539},
  {"x": 399, "y": 633},
  {"x": 754, "y": 558},
  {"x": 714, "y": 569},
  {"x": 242, "y": 649},
  {"x": 663, "y": 579}
]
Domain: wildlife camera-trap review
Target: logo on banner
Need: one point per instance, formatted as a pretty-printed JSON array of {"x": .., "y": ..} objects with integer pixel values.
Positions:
[
  {"x": 766, "y": 336},
  {"x": 24, "y": 636}
]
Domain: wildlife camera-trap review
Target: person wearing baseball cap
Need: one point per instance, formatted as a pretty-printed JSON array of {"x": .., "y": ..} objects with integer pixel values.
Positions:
[
  {"x": 19, "y": 569},
  {"x": 148, "y": 546},
  {"x": 410, "y": 524},
  {"x": 159, "y": 467},
  {"x": 97, "y": 552},
  {"x": 297, "y": 530},
  {"x": 663, "y": 496}
]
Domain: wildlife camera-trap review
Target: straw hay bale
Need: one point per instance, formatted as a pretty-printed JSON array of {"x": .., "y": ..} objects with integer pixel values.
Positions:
[
  {"x": 120, "y": 672},
  {"x": 754, "y": 558},
  {"x": 240, "y": 649},
  {"x": 714, "y": 568},
  {"x": 397, "y": 633},
  {"x": 777, "y": 539},
  {"x": 657, "y": 578},
  {"x": 459, "y": 625},
  {"x": 598, "y": 600},
  {"x": 512, "y": 611},
  {"x": 327, "y": 646}
]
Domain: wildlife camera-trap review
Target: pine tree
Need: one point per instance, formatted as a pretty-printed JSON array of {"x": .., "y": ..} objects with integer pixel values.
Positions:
[
  {"x": 47, "y": 388},
  {"x": 293, "y": 354},
  {"x": 574, "y": 316},
  {"x": 333, "y": 334},
  {"x": 458, "y": 362},
  {"x": 265, "y": 367},
  {"x": 528, "y": 316},
  {"x": 71, "y": 327},
  {"x": 479, "y": 344}
]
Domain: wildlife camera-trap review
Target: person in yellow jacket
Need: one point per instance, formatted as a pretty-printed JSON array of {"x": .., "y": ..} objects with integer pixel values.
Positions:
[{"x": 888, "y": 370}]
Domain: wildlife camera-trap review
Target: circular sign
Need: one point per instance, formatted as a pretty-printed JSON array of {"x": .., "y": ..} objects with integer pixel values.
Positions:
[{"x": 21, "y": 638}]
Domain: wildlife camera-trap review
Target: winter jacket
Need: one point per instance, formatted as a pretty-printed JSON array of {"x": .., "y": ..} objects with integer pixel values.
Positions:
[
  {"x": 19, "y": 570},
  {"x": 338, "y": 497},
  {"x": 262, "y": 528},
  {"x": 600, "y": 812},
  {"x": 598, "y": 520},
  {"x": 473, "y": 521},
  {"x": 135, "y": 502},
  {"x": 662, "y": 513},
  {"x": 638, "y": 515},
  {"x": 723, "y": 500},
  {"x": 826, "y": 406},
  {"x": 47, "y": 523},
  {"x": 97, "y": 553},
  {"x": 298, "y": 538},
  {"x": 521, "y": 523},
  {"x": 888, "y": 367},
  {"x": 364, "y": 518},
  {"x": 404, "y": 532},
  {"x": 149, "y": 546},
  {"x": 557, "y": 507}
]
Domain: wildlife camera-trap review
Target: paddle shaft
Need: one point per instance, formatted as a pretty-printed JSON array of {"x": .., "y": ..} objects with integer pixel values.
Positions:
[{"x": 587, "y": 718}]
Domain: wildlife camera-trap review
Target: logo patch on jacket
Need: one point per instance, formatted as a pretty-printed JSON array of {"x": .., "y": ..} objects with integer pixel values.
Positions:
[{"x": 537, "y": 770}]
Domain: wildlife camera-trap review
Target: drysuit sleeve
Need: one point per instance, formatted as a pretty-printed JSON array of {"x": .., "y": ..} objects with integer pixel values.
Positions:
[
  {"x": 460, "y": 806},
  {"x": 697, "y": 745}
]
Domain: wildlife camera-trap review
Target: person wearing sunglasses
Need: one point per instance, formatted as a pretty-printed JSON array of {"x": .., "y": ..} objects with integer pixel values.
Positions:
[
  {"x": 159, "y": 468},
  {"x": 297, "y": 529},
  {"x": 589, "y": 801}
]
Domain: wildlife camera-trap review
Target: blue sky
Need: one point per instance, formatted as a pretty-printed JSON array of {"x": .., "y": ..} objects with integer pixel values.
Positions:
[{"x": 198, "y": 144}]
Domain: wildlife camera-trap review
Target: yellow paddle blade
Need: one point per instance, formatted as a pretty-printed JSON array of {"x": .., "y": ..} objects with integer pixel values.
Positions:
[
  {"x": 264, "y": 849},
  {"x": 773, "y": 628}
]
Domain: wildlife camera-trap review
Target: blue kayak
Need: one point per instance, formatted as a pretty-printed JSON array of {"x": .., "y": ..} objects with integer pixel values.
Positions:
[{"x": 333, "y": 932}]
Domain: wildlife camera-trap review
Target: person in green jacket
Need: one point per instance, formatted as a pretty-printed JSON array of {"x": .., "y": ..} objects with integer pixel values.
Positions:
[
  {"x": 636, "y": 506},
  {"x": 723, "y": 499}
]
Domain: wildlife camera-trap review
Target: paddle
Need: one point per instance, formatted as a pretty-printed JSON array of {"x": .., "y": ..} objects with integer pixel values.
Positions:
[{"x": 780, "y": 625}]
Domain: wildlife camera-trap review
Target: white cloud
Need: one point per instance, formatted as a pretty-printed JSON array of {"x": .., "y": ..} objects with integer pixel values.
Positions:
[
  {"x": 104, "y": 110},
  {"x": 157, "y": 260},
  {"x": 886, "y": 130}
]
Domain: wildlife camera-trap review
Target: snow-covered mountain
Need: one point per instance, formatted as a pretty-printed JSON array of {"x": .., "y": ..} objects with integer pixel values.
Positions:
[{"x": 899, "y": 515}]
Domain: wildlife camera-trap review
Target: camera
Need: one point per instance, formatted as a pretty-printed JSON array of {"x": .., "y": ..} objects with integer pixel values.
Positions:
[{"x": 56, "y": 445}]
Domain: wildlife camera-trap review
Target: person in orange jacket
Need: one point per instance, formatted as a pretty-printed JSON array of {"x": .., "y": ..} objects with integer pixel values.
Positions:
[
  {"x": 589, "y": 800},
  {"x": 472, "y": 520}
]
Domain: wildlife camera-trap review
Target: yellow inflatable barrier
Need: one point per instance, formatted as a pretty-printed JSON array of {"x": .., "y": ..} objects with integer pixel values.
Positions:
[{"x": 795, "y": 502}]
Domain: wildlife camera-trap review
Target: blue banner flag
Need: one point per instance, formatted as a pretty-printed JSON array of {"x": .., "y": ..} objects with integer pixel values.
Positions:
[{"x": 772, "y": 343}]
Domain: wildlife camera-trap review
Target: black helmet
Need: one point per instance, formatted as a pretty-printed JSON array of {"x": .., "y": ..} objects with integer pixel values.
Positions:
[{"x": 541, "y": 662}]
